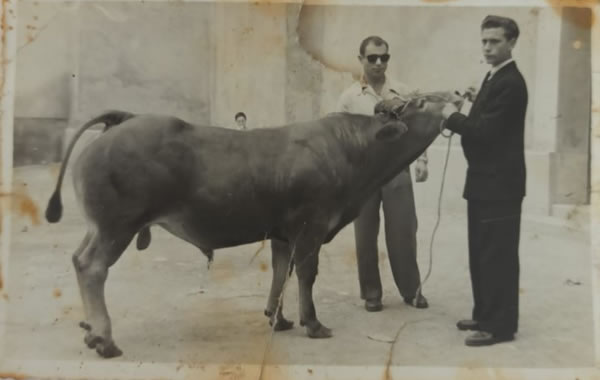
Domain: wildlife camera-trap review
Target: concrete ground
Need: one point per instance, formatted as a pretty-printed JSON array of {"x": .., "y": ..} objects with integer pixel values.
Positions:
[{"x": 167, "y": 307}]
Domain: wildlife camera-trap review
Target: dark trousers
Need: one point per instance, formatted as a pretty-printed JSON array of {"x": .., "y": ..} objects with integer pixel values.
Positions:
[
  {"x": 400, "y": 231},
  {"x": 494, "y": 228}
]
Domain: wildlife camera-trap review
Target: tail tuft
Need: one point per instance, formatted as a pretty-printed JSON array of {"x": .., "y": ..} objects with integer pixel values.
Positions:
[{"x": 54, "y": 209}]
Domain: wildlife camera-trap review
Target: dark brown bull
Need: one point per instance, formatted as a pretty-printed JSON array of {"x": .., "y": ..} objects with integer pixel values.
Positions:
[{"x": 297, "y": 185}]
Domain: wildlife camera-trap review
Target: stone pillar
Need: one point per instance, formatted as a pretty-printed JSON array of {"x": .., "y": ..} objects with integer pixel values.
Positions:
[
  {"x": 544, "y": 104},
  {"x": 570, "y": 162}
]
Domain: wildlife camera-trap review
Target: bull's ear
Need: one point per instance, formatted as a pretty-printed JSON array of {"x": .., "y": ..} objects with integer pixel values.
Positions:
[{"x": 390, "y": 131}]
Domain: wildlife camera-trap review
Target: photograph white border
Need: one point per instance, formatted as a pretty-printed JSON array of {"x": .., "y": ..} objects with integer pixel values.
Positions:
[{"x": 117, "y": 370}]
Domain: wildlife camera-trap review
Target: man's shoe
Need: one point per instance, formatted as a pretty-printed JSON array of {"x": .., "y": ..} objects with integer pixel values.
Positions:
[
  {"x": 467, "y": 324},
  {"x": 484, "y": 338},
  {"x": 373, "y": 305},
  {"x": 420, "y": 303}
]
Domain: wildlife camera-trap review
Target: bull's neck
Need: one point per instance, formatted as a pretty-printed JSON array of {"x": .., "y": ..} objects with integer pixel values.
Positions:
[{"x": 388, "y": 164}]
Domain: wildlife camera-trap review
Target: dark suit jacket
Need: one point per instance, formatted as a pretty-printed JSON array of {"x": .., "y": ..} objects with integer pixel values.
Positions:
[{"x": 492, "y": 137}]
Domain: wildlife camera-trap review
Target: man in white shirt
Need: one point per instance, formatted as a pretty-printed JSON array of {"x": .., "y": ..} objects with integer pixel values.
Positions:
[{"x": 397, "y": 196}]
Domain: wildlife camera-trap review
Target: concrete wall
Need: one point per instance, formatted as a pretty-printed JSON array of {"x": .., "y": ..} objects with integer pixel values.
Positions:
[
  {"x": 304, "y": 74},
  {"x": 44, "y": 60},
  {"x": 145, "y": 57}
]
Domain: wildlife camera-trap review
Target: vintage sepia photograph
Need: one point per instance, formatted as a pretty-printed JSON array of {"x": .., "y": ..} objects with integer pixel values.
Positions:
[{"x": 275, "y": 190}]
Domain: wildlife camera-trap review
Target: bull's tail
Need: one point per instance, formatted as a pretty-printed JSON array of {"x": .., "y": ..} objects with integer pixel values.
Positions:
[{"x": 109, "y": 119}]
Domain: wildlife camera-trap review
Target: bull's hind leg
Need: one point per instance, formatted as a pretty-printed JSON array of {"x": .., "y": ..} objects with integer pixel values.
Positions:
[
  {"x": 281, "y": 262},
  {"x": 86, "y": 309},
  {"x": 92, "y": 266}
]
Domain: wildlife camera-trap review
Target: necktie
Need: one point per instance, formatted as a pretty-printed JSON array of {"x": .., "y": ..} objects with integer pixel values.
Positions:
[{"x": 480, "y": 92}]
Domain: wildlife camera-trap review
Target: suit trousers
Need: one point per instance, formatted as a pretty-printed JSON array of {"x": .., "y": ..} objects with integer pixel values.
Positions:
[
  {"x": 400, "y": 220},
  {"x": 494, "y": 229}
]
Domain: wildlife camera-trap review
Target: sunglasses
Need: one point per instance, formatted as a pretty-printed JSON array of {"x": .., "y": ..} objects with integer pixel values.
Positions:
[{"x": 372, "y": 58}]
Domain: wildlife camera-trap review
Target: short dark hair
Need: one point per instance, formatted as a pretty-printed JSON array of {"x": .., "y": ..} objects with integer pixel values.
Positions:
[
  {"x": 511, "y": 29},
  {"x": 376, "y": 40},
  {"x": 240, "y": 114}
]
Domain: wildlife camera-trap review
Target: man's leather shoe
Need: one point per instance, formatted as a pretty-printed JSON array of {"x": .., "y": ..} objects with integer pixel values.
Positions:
[
  {"x": 484, "y": 338},
  {"x": 373, "y": 305},
  {"x": 420, "y": 303},
  {"x": 467, "y": 324}
]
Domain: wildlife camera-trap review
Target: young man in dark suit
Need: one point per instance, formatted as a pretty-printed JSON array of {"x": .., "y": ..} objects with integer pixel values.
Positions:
[{"x": 492, "y": 139}]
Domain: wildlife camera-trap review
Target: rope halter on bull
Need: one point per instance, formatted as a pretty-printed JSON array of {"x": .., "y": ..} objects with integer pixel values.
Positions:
[{"x": 402, "y": 103}]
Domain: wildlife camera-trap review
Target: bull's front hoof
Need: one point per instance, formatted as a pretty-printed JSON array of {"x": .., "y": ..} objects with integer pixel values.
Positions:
[
  {"x": 318, "y": 331},
  {"x": 282, "y": 324},
  {"x": 108, "y": 351}
]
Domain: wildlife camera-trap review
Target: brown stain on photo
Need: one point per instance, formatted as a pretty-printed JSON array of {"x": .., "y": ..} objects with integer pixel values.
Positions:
[
  {"x": 223, "y": 272},
  {"x": 272, "y": 366},
  {"x": 316, "y": 2},
  {"x": 308, "y": 21},
  {"x": 57, "y": 293},
  {"x": 476, "y": 370},
  {"x": 231, "y": 372},
  {"x": 13, "y": 375},
  {"x": 350, "y": 257},
  {"x": 23, "y": 205},
  {"x": 27, "y": 207},
  {"x": 273, "y": 9},
  {"x": 264, "y": 267},
  {"x": 577, "y": 12},
  {"x": 3, "y": 27}
]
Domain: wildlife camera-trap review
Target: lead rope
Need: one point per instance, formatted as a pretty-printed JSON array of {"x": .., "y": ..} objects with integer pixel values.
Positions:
[{"x": 439, "y": 211}]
